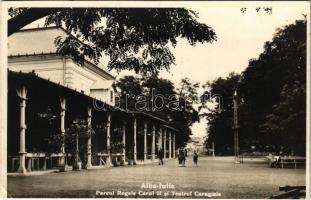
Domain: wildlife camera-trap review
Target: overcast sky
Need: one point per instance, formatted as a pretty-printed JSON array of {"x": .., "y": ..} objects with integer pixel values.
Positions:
[{"x": 240, "y": 37}]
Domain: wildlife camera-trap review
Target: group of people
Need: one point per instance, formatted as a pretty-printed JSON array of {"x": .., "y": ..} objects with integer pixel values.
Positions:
[{"x": 182, "y": 154}]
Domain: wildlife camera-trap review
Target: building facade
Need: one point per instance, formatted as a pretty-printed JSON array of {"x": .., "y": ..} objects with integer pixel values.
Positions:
[
  {"x": 34, "y": 50},
  {"x": 196, "y": 144},
  {"x": 52, "y": 99}
]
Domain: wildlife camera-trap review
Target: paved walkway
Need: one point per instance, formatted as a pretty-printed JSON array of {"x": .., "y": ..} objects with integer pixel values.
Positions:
[{"x": 215, "y": 176}]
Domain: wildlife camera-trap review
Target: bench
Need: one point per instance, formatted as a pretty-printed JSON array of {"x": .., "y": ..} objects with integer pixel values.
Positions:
[
  {"x": 101, "y": 159},
  {"x": 36, "y": 161},
  {"x": 292, "y": 162}
]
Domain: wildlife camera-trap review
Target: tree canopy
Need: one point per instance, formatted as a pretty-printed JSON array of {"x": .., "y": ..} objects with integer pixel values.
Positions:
[
  {"x": 136, "y": 39},
  {"x": 162, "y": 99},
  {"x": 272, "y": 96},
  {"x": 220, "y": 123}
]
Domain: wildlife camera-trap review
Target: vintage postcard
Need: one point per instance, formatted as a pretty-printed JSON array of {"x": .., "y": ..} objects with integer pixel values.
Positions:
[{"x": 155, "y": 99}]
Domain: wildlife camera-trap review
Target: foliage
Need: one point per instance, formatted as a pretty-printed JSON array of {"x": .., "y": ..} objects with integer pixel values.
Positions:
[
  {"x": 78, "y": 130},
  {"x": 116, "y": 143},
  {"x": 136, "y": 39},
  {"x": 178, "y": 109},
  {"x": 274, "y": 87},
  {"x": 272, "y": 95},
  {"x": 129, "y": 87},
  {"x": 220, "y": 123}
]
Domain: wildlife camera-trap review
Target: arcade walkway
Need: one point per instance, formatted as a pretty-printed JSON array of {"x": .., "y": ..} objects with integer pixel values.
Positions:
[{"x": 218, "y": 174}]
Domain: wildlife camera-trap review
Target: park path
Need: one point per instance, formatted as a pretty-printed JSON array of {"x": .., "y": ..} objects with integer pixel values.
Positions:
[{"x": 213, "y": 175}]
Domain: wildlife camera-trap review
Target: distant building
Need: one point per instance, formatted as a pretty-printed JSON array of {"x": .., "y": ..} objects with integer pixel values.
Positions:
[{"x": 196, "y": 144}]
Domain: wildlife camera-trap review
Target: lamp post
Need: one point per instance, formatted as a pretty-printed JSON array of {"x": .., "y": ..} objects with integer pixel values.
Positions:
[{"x": 235, "y": 128}]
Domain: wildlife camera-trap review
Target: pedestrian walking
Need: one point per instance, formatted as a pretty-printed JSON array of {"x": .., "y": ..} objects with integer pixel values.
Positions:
[
  {"x": 180, "y": 157},
  {"x": 195, "y": 158},
  {"x": 184, "y": 157},
  {"x": 161, "y": 156}
]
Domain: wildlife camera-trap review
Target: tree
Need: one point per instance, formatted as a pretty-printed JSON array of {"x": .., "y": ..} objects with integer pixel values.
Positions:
[
  {"x": 286, "y": 125},
  {"x": 272, "y": 91},
  {"x": 187, "y": 93},
  {"x": 285, "y": 122},
  {"x": 164, "y": 100},
  {"x": 188, "y": 90},
  {"x": 128, "y": 88},
  {"x": 220, "y": 122},
  {"x": 133, "y": 38},
  {"x": 76, "y": 139}
]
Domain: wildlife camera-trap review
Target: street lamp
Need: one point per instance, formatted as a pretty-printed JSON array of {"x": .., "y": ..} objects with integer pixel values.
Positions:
[{"x": 235, "y": 128}]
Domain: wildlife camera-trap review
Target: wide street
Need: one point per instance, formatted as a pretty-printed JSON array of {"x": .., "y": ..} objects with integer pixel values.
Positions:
[{"x": 218, "y": 175}]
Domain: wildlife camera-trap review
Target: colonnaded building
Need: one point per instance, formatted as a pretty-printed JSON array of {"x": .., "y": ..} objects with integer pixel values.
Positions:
[{"x": 50, "y": 98}]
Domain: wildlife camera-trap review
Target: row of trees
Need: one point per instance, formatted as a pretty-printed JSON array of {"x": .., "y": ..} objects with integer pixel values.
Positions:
[
  {"x": 161, "y": 98},
  {"x": 272, "y": 98}
]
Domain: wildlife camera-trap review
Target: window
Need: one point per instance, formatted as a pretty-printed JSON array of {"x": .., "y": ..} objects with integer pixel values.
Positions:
[{"x": 111, "y": 96}]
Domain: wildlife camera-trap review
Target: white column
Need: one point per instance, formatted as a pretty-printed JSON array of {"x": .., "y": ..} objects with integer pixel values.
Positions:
[
  {"x": 160, "y": 138},
  {"x": 135, "y": 146},
  {"x": 213, "y": 145},
  {"x": 153, "y": 143},
  {"x": 170, "y": 145},
  {"x": 89, "y": 140},
  {"x": 174, "y": 146},
  {"x": 124, "y": 142},
  {"x": 145, "y": 141},
  {"x": 62, "y": 129},
  {"x": 164, "y": 147},
  {"x": 108, "y": 138},
  {"x": 22, "y": 93}
]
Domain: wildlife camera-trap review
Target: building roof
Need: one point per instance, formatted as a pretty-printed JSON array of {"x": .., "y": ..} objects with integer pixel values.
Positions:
[{"x": 40, "y": 41}]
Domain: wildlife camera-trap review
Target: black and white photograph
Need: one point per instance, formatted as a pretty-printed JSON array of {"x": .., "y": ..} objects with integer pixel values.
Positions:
[{"x": 182, "y": 99}]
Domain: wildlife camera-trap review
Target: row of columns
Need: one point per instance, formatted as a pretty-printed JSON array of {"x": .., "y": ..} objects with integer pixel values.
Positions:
[
  {"x": 160, "y": 142},
  {"x": 22, "y": 93}
]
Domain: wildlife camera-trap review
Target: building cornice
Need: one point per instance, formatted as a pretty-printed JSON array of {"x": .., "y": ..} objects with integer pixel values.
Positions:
[
  {"x": 92, "y": 66},
  {"x": 54, "y": 56}
]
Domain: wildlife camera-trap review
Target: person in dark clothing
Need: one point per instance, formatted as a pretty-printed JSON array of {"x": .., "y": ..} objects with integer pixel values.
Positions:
[
  {"x": 161, "y": 156},
  {"x": 180, "y": 156},
  {"x": 195, "y": 158},
  {"x": 184, "y": 158}
]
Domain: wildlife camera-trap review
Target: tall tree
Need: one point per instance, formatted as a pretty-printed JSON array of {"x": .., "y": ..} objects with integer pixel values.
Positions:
[
  {"x": 187, "y": 93},
  {"x": 284, "y": 122},
  {"x": 220, "y": 122},
  {"x": 272, "y": 93}
]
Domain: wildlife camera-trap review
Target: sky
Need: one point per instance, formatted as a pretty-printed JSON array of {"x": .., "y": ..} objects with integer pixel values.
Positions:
[{"x": 240, "y": 37}]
